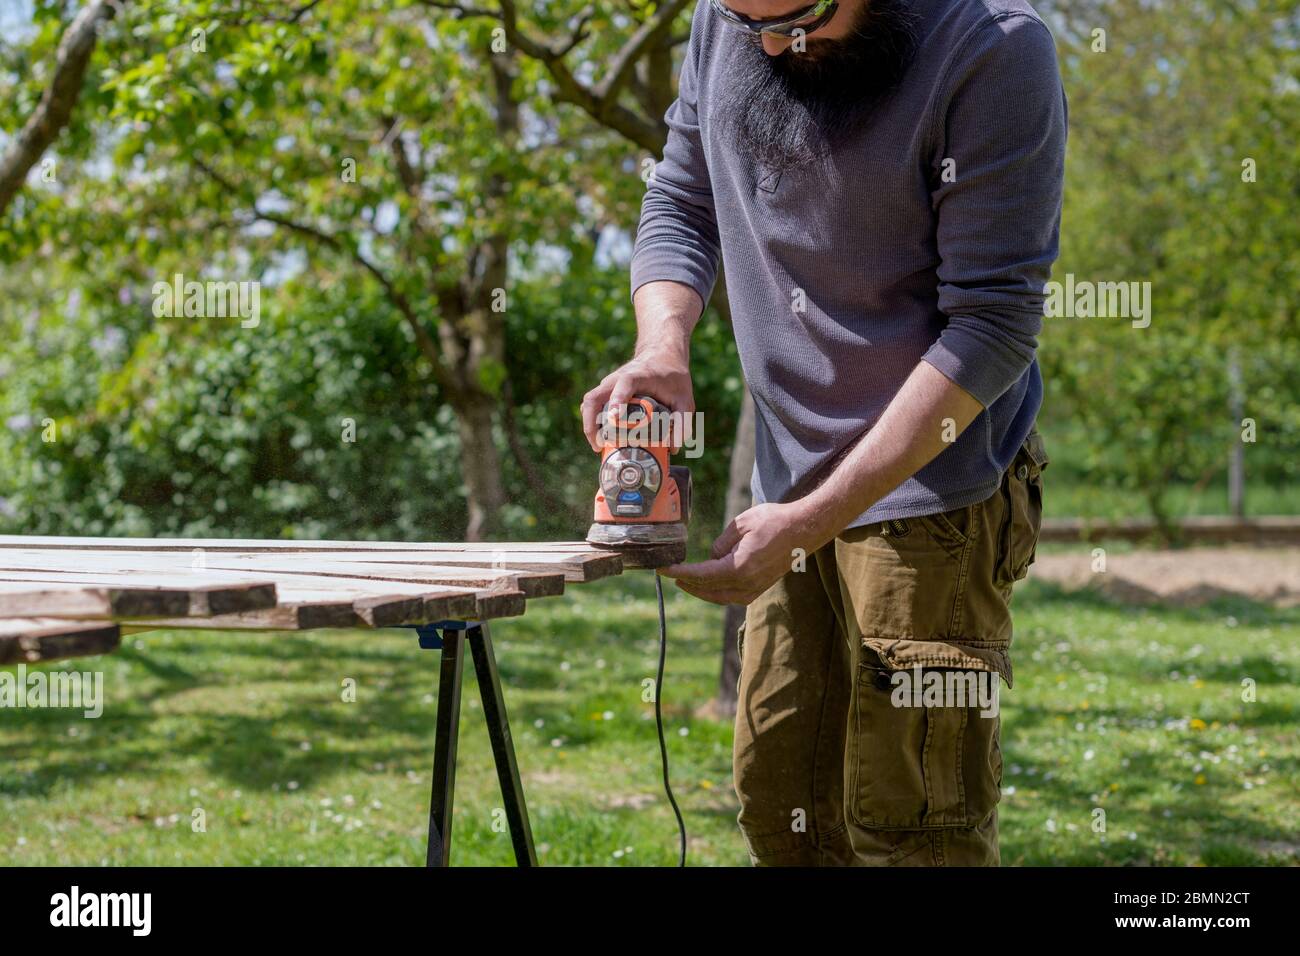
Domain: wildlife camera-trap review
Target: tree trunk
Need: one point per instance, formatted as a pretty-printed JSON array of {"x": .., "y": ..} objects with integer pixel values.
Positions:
[
  {"x": 739, "y": 498},
  {"x": 475, "y": 341},
  {"x": 480, "y": 465},
  {"x": 1237, "y": 460}
]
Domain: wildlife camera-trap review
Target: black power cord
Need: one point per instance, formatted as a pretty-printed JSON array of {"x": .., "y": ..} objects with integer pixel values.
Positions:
[{"x": 659, "y": 717}]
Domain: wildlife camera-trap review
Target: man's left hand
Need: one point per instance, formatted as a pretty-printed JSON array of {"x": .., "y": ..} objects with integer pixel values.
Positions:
[{"x": 750, "y": 555}]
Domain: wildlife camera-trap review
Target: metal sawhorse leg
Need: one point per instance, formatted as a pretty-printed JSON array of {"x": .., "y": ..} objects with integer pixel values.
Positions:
[{"x": 451, "y": 637}]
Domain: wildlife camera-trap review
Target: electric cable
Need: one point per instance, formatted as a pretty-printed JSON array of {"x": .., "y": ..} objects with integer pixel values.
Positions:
[{"x": 659, "y": 717}]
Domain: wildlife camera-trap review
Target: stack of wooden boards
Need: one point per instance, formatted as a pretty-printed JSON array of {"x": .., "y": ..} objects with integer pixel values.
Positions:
[{"x": 69, "y": 597}]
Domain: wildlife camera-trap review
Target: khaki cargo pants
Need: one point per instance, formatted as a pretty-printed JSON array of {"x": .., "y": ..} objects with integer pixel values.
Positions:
[{"x": 834, "y": 764}]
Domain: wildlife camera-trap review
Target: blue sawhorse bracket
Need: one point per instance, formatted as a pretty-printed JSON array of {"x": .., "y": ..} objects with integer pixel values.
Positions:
[{"x": 450, "y": 637}]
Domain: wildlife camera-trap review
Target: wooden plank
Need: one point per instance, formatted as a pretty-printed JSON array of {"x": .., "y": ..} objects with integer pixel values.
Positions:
[
  {"x": 412, "y": 569},
  {"x": 531, "y": 583},
  {"x": 576, "y": 569},
  {"x": 294, "y": 615},
  {"x": 278, "y": 544},
  {"x": 35, "y": 598},
  {"x": 396, "y": 601},
  {"x": 372, "y": 603},
  {"x": 31, "y": 640},
  {"x": 579, "y": 561},
  {"x": 459, "y": 604},
  {"x": 27, "y": 594},
  {"x": 399, "y": 566},
  {"x": 447, "y": 565},
  {"x": 301, "y": 609},
  {"x": 309, "y": 609}
]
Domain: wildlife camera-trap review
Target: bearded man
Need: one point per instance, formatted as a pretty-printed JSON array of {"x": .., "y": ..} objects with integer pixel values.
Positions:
[{"x": 882, "y": 180}]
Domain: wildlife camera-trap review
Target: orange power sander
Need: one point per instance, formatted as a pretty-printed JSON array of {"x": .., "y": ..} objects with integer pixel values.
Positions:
[
  {"x": 641, "y": 510},
  {"x": 642, "y": 500}
]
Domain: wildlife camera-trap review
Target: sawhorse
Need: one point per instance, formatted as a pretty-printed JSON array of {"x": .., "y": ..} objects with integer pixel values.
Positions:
[{"x": 451, "y": 637}]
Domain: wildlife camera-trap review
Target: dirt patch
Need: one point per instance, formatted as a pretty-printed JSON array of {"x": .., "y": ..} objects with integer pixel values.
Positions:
[
  {"x": 1187, "y": 578},
  {"x": 633, "y": 801}
]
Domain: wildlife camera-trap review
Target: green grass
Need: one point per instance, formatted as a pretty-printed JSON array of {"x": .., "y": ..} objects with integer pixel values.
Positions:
[
  {"x": 1068, "y": 497},
  {"x": 1135, "y": 712}
]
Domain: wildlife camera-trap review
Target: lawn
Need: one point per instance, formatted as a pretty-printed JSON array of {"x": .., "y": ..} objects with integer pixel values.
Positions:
[
  {"x": 1074, "y": 496},
  {"x": 1134, "y": 712}
]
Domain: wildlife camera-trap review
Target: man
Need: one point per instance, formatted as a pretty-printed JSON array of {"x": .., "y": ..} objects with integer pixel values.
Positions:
[{"x": 884, "y": 178}]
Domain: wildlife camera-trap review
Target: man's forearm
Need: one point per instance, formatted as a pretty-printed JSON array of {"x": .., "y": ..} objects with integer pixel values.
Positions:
[
  {"x": 925, "y": 416},
  {"x": 666, "y": 314}
]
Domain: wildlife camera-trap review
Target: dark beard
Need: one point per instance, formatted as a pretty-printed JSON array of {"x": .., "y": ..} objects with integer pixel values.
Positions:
[{"x": 786, "y": 111}]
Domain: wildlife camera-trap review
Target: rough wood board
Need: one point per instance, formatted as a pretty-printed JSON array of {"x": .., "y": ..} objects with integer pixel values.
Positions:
[
  {"x": 381, "y": 583},
  {"x": 279, "y": 544},
  {"x": 31, "y": 640},
  {"x": 377, "y": 603},
  {"x": 328, "y": 608},
  {"x": 577, "y": 569},
  {"x": 463, "y": 605},
  {"x": 33, "y": 598},
  {"x": 398, "y": 567},
  {"x": 366, "y": 606},
  {"x": 294, "y": 616},
  {"x": 413, "y": 570},
  {"x": 589, "y": 565},
  {"x": 49, "y": 594}
]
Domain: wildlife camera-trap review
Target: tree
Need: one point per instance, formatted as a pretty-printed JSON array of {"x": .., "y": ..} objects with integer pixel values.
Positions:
[
  {"x": 1179, "y": 175},
  {"x": 310, "y": 128},
  {"x": 55, "y": 108}
]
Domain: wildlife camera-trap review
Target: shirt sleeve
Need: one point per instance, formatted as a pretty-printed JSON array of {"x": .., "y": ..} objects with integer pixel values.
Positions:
[
  {"x": 677, "y": 237},
  {"x": 1001, "y": 142}
]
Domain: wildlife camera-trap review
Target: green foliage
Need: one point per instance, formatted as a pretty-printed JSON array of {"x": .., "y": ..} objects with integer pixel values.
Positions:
[
  {"x": 169, "y": 425},
  {"x": 1156, "y": 191},
  {"x": 237, "y": 431},
  {"x": 164, "y": 430}
]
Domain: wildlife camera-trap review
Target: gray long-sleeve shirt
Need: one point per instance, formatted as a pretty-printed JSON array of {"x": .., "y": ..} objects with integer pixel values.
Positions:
[{"x": 893, "y": 261}]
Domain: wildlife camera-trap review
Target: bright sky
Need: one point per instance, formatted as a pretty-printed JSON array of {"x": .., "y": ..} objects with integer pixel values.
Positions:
[{"x": 15, "y": 17}]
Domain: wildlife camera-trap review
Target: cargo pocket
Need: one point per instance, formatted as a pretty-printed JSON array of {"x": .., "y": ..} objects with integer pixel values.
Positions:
[
  {"x": 1022, "y": 490},
  {"x": 915, "y": 766}
]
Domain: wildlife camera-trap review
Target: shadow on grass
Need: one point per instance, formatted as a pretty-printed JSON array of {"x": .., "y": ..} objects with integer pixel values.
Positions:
[{"x": 397, "y": 694}]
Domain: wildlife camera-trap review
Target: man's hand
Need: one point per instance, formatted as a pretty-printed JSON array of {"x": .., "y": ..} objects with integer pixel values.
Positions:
[
  {"x": 757, "y": 548},
  {"x": 751, "y": 555},
  {"x": 662, "y": 374},
  {"x": 666, "y": 312}
]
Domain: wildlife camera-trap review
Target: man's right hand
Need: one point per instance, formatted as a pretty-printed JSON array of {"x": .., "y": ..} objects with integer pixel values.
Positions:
[{"x": 661, "y": 374}]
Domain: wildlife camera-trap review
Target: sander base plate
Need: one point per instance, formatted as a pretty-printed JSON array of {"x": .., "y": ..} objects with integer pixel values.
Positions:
[{"x": 650, "y": 545}]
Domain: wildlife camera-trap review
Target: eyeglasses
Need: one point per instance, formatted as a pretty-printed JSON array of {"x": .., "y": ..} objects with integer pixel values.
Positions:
[{"x": 806, "y": 21}]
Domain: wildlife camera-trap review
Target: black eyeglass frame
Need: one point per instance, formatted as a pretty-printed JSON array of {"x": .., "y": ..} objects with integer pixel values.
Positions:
[{"x": 811, "y": 18}]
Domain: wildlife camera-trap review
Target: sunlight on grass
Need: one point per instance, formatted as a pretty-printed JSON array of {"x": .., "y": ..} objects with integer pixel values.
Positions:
[{"x": 1134, "y": 713}]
